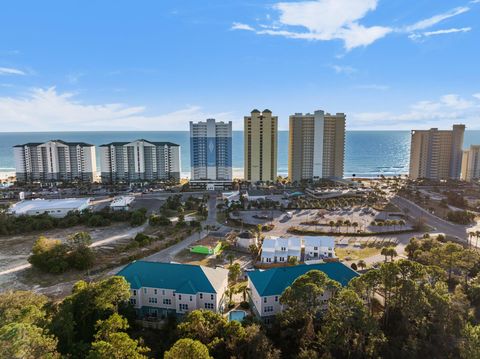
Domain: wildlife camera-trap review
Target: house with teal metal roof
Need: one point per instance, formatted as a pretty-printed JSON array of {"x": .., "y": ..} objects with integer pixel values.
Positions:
[
  {"x": 160, "y": 289},
  {"x": 266, "y": 287}
]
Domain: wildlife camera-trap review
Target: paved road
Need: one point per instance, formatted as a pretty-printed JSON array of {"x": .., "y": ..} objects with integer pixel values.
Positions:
[
  {"x": 212, "y": 210},
  {"x": 441, "y": 225},
  {"x": 168, "y": 254}
]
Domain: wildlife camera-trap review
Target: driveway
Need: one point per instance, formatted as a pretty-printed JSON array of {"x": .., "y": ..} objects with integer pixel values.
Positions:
[{"x": 166, "y": 255}]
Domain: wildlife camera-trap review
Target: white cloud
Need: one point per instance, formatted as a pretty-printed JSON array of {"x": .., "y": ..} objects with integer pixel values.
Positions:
[
  {"x": 447, "y": 31},
  {"x": 477, "y": 95},
  {"x": 418, "y": 36},
  {"x": 240, "y": 26},
  {"x": 49, "y": 110},
  {"x": 348, "y": 70},
  {"x": 441, "y": 113},
  {"x": 11, "y": 71},
  {"x": 431, "y": 21},
  {"x": 326, "y": 20}
]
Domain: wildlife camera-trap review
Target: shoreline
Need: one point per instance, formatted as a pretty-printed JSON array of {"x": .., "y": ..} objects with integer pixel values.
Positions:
[{"x": 237, "y": 174}]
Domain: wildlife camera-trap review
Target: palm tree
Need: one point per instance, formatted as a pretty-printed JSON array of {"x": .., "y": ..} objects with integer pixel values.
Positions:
[
  {"x": 385, "y": 252},
  {"x": 331, "y": 224},
  {"x": 477, "y": 235},
  {"x": 392, "y": 253},
  {"x": 361, "y": 264},
  {"x": 347, "y": 223},
  {"x": 230, "y": 258},
  {"x": 355, "y": 226},
  {"x": 470, "y": 237},
  {"x": 244, "y": 290},
  {"x": 234, "y": 272}
]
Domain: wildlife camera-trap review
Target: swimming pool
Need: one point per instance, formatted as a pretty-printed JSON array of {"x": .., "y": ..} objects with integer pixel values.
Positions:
[{"x": 238, "y": 315}]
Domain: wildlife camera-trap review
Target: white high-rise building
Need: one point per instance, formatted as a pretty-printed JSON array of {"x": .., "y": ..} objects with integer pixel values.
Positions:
[
  {"x": 140, "y": 160},
  {"x": 211, "y": 150},
  {"x": 55, "y": 161},
  {"x": 316, "y": 146}
]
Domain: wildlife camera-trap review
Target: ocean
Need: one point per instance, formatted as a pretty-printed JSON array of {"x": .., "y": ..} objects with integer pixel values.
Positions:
[{"x": 367, "y": 153}]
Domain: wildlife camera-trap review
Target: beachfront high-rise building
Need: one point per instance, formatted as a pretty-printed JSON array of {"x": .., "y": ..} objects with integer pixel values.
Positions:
[
  {"x": 55, "y": 161},
  {"x": 140, "y": 160},
  {"x": 211, "y": 150},
  {"x": 316, "y": 146},
  {"x": 471, "y": 164},
  {"x": 260, "y": 152},
  {"x": 436, "y": 154}
]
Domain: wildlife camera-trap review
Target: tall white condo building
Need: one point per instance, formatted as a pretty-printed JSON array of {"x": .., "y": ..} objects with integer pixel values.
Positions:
[
  {"x": 140, "y": 160},
  {"x": 211, "y": 150},
  {"x": 55, "y": 161},
  {"x": 316, "y": 146}
]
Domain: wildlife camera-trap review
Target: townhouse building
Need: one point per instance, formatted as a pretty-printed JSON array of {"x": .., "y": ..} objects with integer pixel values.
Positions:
[
  {"x": 280, "y": 250},
  {"x": 266, "y": 287},
  {"x": 161, "y": 289}
]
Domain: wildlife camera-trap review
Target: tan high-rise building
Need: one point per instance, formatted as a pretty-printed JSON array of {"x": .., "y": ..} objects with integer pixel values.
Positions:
[
  {"x": 316, "y": 146},
  {"x": 436, "y": 154},
  {"x": 471, "y": 164},
  {"x": 260, "y": 157}
]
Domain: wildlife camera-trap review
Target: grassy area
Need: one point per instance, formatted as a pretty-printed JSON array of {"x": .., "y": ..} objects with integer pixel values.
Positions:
[
  {"x": 186, "y": 256},
  {"x": 350, "y": 253}
]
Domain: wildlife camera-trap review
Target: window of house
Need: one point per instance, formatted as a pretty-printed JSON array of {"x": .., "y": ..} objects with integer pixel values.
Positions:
[
  {"x": 191, "y": 298},
  {"x": 179, "y": 297},
  {"x": 211, "y": 296},
  {"x": 264, "y": 299},
  {"x": 167, "y": 301},
  {"x": 163, "y": 292},
  {"x": 145, "y": 290},
  {"x": 208, "y": 305},
  {"x": 152, "y": 300},
  {"x": 133, "y": 301},
  {"x": 134, "y": 292},
  {"x": 155, "y": 291},
  {"x": 276, "y": 298},
  {"x": 201, "y": 295},
  {"x": 268, "y": 309},
  {"x": 315, "y": 248},
  {"x": 183, "y": 307}
]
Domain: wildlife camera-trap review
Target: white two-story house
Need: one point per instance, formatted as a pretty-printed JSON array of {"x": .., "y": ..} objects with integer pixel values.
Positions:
[
  {"x": 319, "y": 247},
  {"x": 279, "y": 250},
  {"x": 266, "y": 287},
  {"x": 161, "y": 289}
]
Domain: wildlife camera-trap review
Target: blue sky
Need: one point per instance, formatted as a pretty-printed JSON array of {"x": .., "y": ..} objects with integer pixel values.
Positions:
[{"x": 139, "y": 65}]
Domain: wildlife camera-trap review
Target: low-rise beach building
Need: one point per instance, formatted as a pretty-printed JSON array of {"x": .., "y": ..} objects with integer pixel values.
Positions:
[
  {"x": 267, "y": 286},
  {"x": 280, "y": 250},
  {"x": 319, "y": 247},
  {"x": 161, "y": 289},
  {"x": 122, "y": 203},
  {"x": 57, "y": 208}
]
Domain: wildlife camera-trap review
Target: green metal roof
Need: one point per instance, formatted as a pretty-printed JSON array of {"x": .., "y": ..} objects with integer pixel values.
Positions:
[
  {"x": 274, "y": 281},
  {"x": 183, "y": 278}
]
